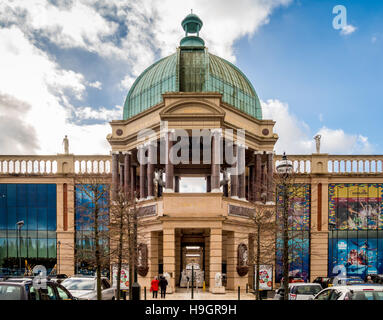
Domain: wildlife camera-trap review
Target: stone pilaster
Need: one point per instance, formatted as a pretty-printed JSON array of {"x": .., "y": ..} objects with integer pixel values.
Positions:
[
  {"x": 169, "y": 257},
  {"x": 215, "y": 259},
  {"x": 215, "y": 163}
]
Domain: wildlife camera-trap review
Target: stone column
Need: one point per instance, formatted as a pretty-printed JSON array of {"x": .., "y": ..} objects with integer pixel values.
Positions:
[
  {"x": 250, "y": 184},
  {"x": 122, "y": 176},
  {"x": 208, "y": 183},
  {"x": 169, "y": 257},
  {"x": 215, "y": 163},
  {"x": 151, "y": 150},
  {"x": 127, "y": 174},
  {"x": 234, "y": 177},
  {"x": 258, "y": 175},
  {"x": 133, "y": 177},
  {"x": 215, "y": 259},
  {"x": 241, "y": 175},
  {"x": 115, "y": 178},
  {"x": 169, "y": 167},
  {"x": 142, "y": 174},
  {"x": 176, "y": 184},
  {"x": 270, "y": 177}
]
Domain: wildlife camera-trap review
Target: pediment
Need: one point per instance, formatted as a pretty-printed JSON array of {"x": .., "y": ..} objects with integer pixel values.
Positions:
[{"x": 195, "y": 108}]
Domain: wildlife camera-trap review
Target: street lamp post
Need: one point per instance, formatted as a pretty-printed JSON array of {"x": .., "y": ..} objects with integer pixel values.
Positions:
[
  {"x": 19, "y": 225},
  {"x": 284, "y": 169},
  {"x": 58, "y": 256}
]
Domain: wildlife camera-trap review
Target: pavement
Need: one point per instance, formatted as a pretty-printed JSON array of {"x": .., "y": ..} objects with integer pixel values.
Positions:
[{"x": 184, "y": 294}]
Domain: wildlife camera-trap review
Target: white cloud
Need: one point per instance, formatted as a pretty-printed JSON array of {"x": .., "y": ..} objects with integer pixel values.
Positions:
[
  {"x": 295, "y": 136},
  {"x": 95, "y": 84},
  {"x": 33, "y": 78},
  {"x": 87, "y": 113},
  {"x": 30, "y": 77},
  {"x": 347, "y": 29}
]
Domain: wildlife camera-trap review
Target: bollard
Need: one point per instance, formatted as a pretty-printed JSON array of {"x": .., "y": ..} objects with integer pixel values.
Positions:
[
  {"x": 136, "y": 291},
  {"x": 239, "y": 293},
  {"x": 144, "y": 293},
  {"x": 247, "y": 288}
]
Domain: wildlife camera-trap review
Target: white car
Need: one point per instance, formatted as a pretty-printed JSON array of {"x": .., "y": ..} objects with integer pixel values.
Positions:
[
  {"x": 85, "y": 287},
  {"x": 300, "y": 291},
  {"x": 353, "y": 292}
]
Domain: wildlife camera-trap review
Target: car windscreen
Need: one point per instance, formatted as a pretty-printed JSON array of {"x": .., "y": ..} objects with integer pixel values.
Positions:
[
  {"x": 79, "y": 284},
  {"x": 10, "y": 292},
  {"x": 367, "y": 295},
  {"x": 309, "y": 290}
]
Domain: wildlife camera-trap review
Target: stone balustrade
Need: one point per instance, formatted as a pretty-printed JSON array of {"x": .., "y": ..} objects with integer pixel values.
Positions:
[
  {"x": 364, "y": 164},
  {"x": 324, "y": 163},
  {"x": 54, "y": 164}
]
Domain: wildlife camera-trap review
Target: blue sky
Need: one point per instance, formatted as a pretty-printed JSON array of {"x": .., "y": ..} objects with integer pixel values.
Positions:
[{"x": 67, "y": 67}]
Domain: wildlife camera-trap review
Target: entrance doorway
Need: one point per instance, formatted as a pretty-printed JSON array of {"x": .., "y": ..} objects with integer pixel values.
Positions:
[{"x": 192, "y": 253}]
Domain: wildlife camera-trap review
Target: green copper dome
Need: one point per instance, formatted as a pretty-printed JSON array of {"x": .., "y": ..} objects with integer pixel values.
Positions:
[{"x": 192, "y": 69}]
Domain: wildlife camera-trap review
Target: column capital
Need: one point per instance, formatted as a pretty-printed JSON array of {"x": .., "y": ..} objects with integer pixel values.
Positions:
[
  {"x": 115, "y": 152},
  {"x": 258, "y": 152},
  {"x": 216, "y": 131},
  {"x": 126, "y": 152}
]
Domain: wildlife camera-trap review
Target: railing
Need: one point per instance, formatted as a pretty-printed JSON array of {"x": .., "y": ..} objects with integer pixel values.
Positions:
[
  {"x": 92, "y": 164},
  {"x": 54, "y": 164},
  {"x": 335, "y": 164},
  {"x": 366, "y": 164}
]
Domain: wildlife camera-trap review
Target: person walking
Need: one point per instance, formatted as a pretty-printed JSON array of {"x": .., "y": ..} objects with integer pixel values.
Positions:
[
  {"x": 154, "y": 287},
  {"x": 163, "y": 284}
]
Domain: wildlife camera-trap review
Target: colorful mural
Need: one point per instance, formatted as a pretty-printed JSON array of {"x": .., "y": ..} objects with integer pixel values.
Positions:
[
  {"x": 299, "y": 239},
  {"x": 355, "y": 206},
  {"x": 355, "y": 257}
]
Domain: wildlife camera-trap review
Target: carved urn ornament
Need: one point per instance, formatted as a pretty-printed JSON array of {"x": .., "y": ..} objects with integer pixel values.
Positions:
[
  {"x": 142, "y": 260},
  {"x": 242, "y": 260}
]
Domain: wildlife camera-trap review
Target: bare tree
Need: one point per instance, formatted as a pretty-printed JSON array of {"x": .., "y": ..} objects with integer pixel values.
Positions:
[
  {"x": 288, "y": 217},
  {"x": 93, "y": 210},
  {"x": 265, "y": 225}
]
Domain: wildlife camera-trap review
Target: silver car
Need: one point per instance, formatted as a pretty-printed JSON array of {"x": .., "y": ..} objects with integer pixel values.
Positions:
[
  {"x": 300, "y": 291},
  {"x": 85, "y": 287},
  {"x": 353, "y": 292}
]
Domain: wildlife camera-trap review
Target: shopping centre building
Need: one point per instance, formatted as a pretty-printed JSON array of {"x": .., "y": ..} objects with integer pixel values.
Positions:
[{"x": 338, "y": 218}]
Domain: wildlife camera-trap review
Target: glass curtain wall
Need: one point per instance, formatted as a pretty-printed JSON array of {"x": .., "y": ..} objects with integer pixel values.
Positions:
[{"x": 35, "y": 205}]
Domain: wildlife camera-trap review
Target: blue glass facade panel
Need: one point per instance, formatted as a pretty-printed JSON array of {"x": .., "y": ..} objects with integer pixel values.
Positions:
[{"x": 35, "y": 204}]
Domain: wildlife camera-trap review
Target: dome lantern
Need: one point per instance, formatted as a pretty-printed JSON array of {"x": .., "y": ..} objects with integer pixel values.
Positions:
[{"x": 192, "y": 24}]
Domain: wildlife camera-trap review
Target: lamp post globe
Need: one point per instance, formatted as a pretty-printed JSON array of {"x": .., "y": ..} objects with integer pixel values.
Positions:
[
  {"x": 19, "y": 225},
  {"x": 285, "y": 166}
]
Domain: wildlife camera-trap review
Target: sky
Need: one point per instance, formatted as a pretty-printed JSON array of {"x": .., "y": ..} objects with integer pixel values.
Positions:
[{"x": 67, "y": 66}]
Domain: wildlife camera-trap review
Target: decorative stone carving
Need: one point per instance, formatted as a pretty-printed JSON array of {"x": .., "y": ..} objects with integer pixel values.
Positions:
[
  {"x": 142, "y": 260},
  {"x": 218, "y": 279},
  {"x": 242, "y": 260}
]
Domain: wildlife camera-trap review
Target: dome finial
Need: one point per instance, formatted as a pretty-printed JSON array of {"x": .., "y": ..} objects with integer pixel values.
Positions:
[{"x": 192, "y": 24}]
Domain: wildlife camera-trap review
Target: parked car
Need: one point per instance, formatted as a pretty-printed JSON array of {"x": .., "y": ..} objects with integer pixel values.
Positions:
[
  {"x": 299, "y": 291},
  {"x": 23, "y": 289},
  {"x": 293, "y": 279},
  {"x": 343, "y": 281},
  {"x": 58, "y": 277},
  {"x": 323, "y": 281},
  {"x": 353, "y": 292},
  {"x": 85, "y": 287}
]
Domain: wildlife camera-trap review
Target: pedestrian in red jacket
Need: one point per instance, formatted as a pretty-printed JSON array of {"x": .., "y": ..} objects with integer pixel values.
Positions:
[{"x": 154, "y": 287}]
